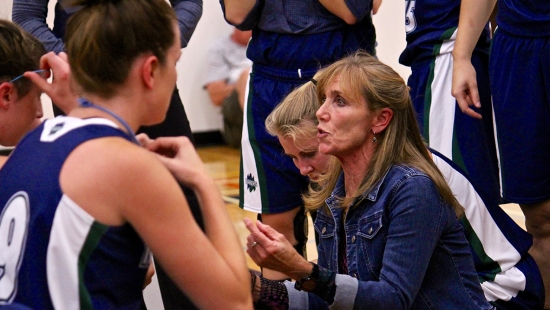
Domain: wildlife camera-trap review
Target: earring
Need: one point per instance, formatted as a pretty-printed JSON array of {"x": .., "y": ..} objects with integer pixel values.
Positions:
[{"x": 374, "y": 140}]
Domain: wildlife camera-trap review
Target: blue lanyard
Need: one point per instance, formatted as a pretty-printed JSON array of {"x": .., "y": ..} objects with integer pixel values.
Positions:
[{"x": 87, "y": 104}]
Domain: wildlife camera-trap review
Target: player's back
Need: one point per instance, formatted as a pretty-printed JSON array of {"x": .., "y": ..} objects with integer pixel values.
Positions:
[
  {"x": 429, "y": 24},
  {"x": 55, "y": 255},
  {"x": 524, "y": 18}
]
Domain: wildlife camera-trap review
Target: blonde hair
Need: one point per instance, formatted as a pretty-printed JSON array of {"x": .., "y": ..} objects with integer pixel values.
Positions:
[
  {"x": 363, "y": 76},
  {"x": 295, "y": 116}
]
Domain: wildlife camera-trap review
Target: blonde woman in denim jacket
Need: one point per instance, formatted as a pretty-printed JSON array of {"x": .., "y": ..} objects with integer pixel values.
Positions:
[{"x": 390, "y": 237}]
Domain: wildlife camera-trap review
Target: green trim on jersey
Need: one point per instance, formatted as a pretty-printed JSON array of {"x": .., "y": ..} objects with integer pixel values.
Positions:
[
  {"x": 95, "y": 233},
  {"x": 428, "y": 103},
  {"x": 457, "y": 154},
  {"x": 448, "y": 34},
  {"x": 428, "y": 93},
  {"x": 477, "y": 245}
]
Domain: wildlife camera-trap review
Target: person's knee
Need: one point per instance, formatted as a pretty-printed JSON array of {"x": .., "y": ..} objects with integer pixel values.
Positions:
[
  {"x": 301, "y": 231},
  {"x": 537, "y": 219}
]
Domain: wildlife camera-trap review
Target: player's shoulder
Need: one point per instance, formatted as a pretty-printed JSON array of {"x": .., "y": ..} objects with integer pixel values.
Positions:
[{"x": 116, "y": 154}]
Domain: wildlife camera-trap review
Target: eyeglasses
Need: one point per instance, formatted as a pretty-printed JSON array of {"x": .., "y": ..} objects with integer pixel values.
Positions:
[{"x": 36, "y": 71}]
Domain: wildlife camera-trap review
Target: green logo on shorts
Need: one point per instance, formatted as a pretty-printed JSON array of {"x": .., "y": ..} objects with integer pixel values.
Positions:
[{"x": 251, "y": 184}]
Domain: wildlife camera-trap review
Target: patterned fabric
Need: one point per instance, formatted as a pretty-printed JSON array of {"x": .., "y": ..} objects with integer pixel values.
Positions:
[
  {"x": 326, "y": 285},
  {"x": 273, "y": 295}
]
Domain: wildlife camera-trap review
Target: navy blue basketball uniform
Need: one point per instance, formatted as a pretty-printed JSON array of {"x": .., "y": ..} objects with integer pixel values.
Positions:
[
  {"x": 509, "y": 276},
  {"x": 431, "y": 31},
  {"x": 520, "y": 76},
  {"x": 290, "y": 42},
  {"x": 53, "y": 254}
]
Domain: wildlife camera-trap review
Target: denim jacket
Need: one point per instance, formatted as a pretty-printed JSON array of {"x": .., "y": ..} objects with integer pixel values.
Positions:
[{"x": 406, "y": 249}]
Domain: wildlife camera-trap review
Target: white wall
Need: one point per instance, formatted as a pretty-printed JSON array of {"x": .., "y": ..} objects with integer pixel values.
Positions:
[
  {"x": 203, "y": 116},
  {"x": 390, "y": 34}
]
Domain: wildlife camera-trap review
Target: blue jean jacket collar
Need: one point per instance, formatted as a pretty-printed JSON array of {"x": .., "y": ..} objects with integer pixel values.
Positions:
[{"x": 339, "y": 190}]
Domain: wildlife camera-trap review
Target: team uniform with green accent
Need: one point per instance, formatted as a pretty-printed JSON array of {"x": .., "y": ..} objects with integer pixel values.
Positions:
[
  {"x": 290, "y": 41},
  {"x": 53, "y": 254},
  {"x": 509, "y": 276},
  {"x": 469, "y": 142},
  {"x": 466, "y": 153}
]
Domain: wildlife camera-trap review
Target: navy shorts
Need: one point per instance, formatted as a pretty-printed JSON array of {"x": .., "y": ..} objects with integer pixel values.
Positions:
[
  {"x": 467, "y": 141},
  {"x": 520, "y": 79},
  {"x": 270, "y": 182}
]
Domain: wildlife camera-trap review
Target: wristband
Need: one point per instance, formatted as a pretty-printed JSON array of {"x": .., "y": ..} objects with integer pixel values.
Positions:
[{"x": 308, "y": 283}]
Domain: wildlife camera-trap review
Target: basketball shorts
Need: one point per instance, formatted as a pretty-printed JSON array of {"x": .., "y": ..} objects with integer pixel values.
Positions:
[
  {"x": 467, "y": 141},
  {"x": 270, "y": 182},
  {"x": 520, "y": 76}
]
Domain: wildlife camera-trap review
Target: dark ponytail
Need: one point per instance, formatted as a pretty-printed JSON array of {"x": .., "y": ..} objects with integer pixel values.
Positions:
[
  {"x": 104, "y": 37},
  {"x": 86, "y": 3}
]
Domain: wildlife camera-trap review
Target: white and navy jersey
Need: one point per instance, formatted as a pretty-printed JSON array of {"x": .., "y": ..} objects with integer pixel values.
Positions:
[
  {"x": 429, "y": 24},
  {"x": 53, "y": 254},
  {"x": 525, "y": 18}
]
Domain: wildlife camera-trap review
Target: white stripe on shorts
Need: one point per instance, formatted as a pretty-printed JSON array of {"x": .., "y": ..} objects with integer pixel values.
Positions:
[
  {"x": 443, "y": 104},
  {"x": 251, "y": 199}
]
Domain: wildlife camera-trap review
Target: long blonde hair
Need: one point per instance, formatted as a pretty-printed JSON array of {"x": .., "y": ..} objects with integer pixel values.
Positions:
[{"x": 363, "y": 76}]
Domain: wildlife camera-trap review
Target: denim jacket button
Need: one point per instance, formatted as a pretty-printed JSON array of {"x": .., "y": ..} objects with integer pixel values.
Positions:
[
  {"x": 324, "y": 230},
  {"x": 370, "y": 230},
  {"x": 353, "y": 239},
  {"x": 355, "y": 275}
]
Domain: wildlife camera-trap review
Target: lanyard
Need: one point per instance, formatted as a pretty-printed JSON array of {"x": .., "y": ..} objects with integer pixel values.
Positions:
[{"x": 87, "y": 104}]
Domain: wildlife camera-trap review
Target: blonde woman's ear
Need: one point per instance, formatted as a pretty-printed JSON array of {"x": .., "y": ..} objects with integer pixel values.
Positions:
[{"x": 382, "y": 120}]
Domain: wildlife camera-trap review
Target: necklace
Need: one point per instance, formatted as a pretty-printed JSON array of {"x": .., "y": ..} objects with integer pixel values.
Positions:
[{"x": 87, "y": 104}]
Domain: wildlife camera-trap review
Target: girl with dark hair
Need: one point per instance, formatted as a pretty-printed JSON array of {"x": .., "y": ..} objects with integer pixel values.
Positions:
[{"x": 78, "y": 226}]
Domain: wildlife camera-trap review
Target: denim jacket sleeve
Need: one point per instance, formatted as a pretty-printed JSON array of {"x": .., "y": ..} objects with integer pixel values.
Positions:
[
  {"x": 416, "y": 218},
  {"x": 188, "y": 13},
  {"x": 31, "y": 16},
  {"x": 344, "y": 299}
]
